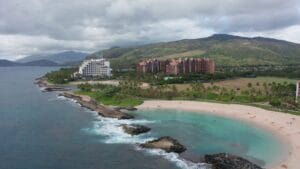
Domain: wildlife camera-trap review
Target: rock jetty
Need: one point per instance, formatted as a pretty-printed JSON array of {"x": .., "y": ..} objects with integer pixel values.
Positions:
[
  {"x": 228, "y": 161},
  {"x": 165, "y": 143},
  {"x": 86, "y": 101},
  {"x": 135, "y": 129}
]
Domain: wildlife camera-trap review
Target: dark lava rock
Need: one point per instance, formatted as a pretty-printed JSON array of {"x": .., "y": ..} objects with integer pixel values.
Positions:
[
  {"x": 190, "y": 156},
  {"x": 131, "y": 108},
  {"x": 93, "y": 105},
  {"x": 125, "y": 108},
  {"x": 52, "y": 89},
  {"x": 135, "y": 129},
  {"x": 228, "y": 161},
  {"x": 165, "y": 143}
]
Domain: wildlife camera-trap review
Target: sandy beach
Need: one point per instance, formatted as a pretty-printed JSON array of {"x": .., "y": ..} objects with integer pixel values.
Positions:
[{"x": 285, "y": 126}]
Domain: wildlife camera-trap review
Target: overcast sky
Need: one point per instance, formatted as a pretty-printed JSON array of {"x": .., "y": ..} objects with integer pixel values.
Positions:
[{"x": 44, "y": 26}]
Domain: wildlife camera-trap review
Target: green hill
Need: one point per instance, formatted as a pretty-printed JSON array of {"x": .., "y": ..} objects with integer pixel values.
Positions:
[{"x": 227, "y": 50}]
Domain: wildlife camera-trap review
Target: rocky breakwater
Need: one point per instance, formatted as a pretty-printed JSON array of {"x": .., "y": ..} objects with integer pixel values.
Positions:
[
  {"x": 135, "y": 129},
  {"x": 88, "y": 102},
  {"x": 42, "y": 82},
  {"x": 165, "y": 143},
  {"x": 228, "y": 161}
]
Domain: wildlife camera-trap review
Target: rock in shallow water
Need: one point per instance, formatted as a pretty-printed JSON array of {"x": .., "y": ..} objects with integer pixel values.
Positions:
[
  {"x": 135, "y": 129},
  {"x": 165, "y": 143},
  {"x": 228, "y": 161}
]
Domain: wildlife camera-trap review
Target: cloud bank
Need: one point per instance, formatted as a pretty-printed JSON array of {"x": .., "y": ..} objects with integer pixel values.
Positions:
[{"x": 44, "y": 26}]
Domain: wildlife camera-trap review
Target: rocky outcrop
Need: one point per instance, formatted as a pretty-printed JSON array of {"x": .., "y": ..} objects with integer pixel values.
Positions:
[
  {"x": 125, "y": 109},
  {"x": 52, "y": 89},
  {"x": 228, "y": 161},
  {"x": 92, "y": 104},
  {"x": 165, "y": 143},
  {"x": 135, "y": 129},
  {"x": 131, "y": 108},
  {"x": 43, "y": 83}
]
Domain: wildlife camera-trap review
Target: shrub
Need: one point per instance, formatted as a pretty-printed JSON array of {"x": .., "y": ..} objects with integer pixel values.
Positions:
[{"x": 275, "y": 102}]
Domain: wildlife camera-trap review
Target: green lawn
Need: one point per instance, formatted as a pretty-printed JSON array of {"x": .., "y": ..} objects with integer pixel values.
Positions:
[{"x": 118, "y": 100}]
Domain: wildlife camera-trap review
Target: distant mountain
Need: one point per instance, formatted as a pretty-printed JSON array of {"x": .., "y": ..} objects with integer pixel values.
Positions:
[
  {"x": 225, "y": 49},
  {"x": 60, "y": 58},
  {"x": 7, "y": 63},
  {"x": 42, "y": 62}
]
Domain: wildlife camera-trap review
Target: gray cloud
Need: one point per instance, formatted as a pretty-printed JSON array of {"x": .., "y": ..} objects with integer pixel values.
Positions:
[{"x": 36, "y": 26}]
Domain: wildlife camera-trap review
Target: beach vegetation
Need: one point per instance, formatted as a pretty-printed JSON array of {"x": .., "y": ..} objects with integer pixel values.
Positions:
[
  {"x": 110, "y": 95},
  {"x": 61, "y": 76},
  {"x": 279, "y": 95}
]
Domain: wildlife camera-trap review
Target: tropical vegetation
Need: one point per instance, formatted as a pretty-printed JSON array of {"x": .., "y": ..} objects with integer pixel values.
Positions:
[
  {"x": 61, "y": 76},
  {"x": 273, "y": 95}
]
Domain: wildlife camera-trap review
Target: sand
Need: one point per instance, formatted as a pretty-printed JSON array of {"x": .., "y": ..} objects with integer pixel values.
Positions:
[{"x": 284, "y": 126}]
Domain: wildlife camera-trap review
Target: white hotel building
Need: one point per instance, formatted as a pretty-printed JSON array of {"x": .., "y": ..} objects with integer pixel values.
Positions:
[{"x": 95, "y": 68}]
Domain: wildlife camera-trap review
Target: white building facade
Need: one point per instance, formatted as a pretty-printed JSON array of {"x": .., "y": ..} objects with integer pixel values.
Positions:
[{"x": 95, "y": 68}]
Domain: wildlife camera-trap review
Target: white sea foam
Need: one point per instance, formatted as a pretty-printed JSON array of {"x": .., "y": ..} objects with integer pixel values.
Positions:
[
  {"x": 112, "y": 132},
  {"x": 42, "y": 88},
  {"x": 72, "y": 101},
  {"x": 174, "y": 157},
  {"x": 61, "y": 97}
]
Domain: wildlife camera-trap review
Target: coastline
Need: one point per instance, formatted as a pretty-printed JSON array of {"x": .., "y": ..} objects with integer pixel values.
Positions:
[
  {"x": 284, "y": 126},
  {"x": 104, "y": 111}
]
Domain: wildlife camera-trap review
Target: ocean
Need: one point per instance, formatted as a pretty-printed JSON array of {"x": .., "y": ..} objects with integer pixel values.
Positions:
[{"x": 44, "y": 131}]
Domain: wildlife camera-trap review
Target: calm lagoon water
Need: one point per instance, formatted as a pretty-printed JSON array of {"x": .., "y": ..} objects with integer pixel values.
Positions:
[
  {"x": 207, "y": 134},
  {"x": 43, "y": 131}
]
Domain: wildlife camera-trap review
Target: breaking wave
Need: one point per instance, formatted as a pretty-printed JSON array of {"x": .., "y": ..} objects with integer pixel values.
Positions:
[{"x": 112, "y": 133}]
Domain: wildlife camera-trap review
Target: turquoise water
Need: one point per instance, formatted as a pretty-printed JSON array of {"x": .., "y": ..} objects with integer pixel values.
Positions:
[
  {"x": 205, "y": 133},
  {"x": 43, "y": 131}
]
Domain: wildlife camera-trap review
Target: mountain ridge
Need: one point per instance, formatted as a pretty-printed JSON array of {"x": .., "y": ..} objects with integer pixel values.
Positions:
[
  {"x": 60, "y": 58},
  {"x": 227, "y": 50},
  {"x": 42, "y": 62}
]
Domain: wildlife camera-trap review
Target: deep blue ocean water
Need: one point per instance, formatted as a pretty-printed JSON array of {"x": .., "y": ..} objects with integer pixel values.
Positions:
[{"x": 43, "y": 131}]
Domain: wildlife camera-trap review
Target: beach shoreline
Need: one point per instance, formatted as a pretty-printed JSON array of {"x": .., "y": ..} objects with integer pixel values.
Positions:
[{"x": 286, "y": 127}]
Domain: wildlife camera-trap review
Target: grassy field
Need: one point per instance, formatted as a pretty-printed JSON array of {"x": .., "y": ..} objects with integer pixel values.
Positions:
[
  {"x": 128, "y": 101},
  {"x": 241, "y": 83}
]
